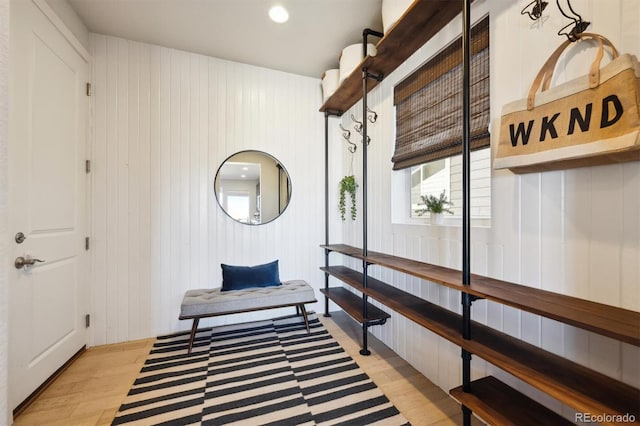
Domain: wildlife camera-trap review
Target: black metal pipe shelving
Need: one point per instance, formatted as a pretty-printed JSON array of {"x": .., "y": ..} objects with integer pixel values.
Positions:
[
  {"x": 327, "y": 114},
  {"x": 365, "y": 266},
  {"x": 466, "y": 201},
  {"x": 467, "y": 298}
]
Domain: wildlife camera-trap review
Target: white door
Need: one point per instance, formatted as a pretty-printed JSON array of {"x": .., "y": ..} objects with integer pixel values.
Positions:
[{"x": 47, "y": 200}]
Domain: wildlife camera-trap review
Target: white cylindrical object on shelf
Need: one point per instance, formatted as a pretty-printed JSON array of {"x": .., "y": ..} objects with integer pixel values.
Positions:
[
  {"x": 330, "y": 82},
  {"x": 392, "y": 10},
  {"x": 351, "y": 57}
]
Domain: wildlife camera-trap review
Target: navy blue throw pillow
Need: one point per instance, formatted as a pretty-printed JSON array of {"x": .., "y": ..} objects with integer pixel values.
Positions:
[{"x": 239, "y": 277}]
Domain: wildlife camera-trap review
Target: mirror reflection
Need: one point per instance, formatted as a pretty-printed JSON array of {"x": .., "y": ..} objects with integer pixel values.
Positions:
[{"x": 252, "y": 187}]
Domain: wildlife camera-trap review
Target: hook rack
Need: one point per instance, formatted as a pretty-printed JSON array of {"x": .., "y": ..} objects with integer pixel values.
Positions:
[
  {"x": 372, "y": 116},
  {"x": 536, "y": 9},
  {"x": 579, "y": 25},
  {"x": 346, "y": 134},
  {"x": 358, "y": 124},
  {"x": 572, "y": 30}
]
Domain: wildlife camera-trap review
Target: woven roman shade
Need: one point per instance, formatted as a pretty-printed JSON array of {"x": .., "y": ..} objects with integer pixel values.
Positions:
[{"x": 429, "y": 104}]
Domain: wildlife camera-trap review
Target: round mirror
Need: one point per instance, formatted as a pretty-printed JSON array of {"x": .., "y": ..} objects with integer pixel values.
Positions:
[{"x": 252, "y": 187}]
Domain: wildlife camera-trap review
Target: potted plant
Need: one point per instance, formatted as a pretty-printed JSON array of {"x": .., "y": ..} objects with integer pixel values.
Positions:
[
  {"x": 348, "y": 184},
  {"x": 436, "y": 206}
]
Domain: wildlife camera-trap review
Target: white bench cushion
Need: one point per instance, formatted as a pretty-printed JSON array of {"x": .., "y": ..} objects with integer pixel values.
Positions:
[{"x": 213, "y": 301}]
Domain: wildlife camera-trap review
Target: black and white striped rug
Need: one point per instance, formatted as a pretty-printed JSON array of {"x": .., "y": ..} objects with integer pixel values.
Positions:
[{"x": 263, "y": 373}]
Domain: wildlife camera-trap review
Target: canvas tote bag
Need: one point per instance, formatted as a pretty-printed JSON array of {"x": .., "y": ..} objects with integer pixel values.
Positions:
[{"x": 590, "y": 120}]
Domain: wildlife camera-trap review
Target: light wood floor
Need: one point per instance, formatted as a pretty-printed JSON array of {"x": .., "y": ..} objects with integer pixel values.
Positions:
[{"x": 90, "y": 391}]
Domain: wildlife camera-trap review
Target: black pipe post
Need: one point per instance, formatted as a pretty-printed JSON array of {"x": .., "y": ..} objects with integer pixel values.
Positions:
[
  {"x": 365, "y": 266},
  {"x": 327, "y": 113},
  {"x": 326, "y": 209},
  {"x": 466, "y": 155},
  {"x": 365, "y": 37},
  {"x": 466, "y": 201},
  {"x": 365, "y": 250}
]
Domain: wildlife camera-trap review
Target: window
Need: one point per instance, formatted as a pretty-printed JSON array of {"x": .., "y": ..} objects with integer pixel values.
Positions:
[
  {"x": 429, "y": 126},
  {"x": 431, "y": 178},
  {"x": 238, "y": 206}
]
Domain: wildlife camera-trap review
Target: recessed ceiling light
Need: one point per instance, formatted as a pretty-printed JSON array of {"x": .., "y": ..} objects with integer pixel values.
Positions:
[
  {"x": 243, "y": 176},
  {"x": 278, "y": 14}
]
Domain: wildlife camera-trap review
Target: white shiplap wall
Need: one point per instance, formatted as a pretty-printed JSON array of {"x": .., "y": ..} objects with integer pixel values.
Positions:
[
  {"x": 163, "y": 121},
  {"x": 575, "y": 232}
]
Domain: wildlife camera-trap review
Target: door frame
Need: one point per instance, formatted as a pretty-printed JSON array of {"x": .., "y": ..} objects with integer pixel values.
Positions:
[
  {"x": 64, "y": 30},
  {"x": 6, "y": 411}
]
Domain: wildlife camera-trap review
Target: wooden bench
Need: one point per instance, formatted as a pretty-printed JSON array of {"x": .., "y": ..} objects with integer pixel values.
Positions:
[{"x": 211, "y": 302}]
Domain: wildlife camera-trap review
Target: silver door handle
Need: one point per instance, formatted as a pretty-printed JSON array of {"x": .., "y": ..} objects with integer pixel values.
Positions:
[{"x": 25, "y": 261}]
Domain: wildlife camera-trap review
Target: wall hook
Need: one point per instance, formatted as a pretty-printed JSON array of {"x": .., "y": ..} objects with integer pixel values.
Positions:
[
  {"x": 536, "y": 8},
  {"x": 575, "y": 28},
  {"x": 372, "y": 116},
  {"x": 346, "y": 134},
  {"x": 358, "y": 126}
]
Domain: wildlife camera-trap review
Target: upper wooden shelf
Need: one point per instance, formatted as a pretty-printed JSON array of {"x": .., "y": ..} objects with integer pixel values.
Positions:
[
  {"x": 420, "y": 22},
  {"x": 617, "y": 323}
]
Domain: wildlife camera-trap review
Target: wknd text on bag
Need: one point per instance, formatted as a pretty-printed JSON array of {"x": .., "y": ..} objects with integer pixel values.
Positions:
[{"x": 610, "y": 112}]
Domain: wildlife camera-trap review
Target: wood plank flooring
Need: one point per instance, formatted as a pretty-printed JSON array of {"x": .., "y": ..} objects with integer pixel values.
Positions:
[
  {"x": 417, "y": 398},
  {"x": 90, "y": 391}
]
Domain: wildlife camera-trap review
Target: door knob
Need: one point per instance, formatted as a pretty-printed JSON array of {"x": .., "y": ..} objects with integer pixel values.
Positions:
[{"x": 25, "y": 261}]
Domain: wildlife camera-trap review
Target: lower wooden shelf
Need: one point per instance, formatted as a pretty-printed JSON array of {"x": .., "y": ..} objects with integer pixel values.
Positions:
[
  {"x": 352, "y": 305},
  {"x": 577, "y": 386},
  {"x": 581, "y": 388},
  {"x": 439, "y": 320},
  {"x": 499, "y": 404}
]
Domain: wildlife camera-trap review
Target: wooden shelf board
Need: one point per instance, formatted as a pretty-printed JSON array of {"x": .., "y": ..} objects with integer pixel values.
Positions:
[
  {"x": 352, "y": 304},
  {"x": 420, "y": 22},
  {"x": 439, "y": 320},
  {"x": 617, "y": 323},
  {"x": 581, "y": 388},
  {"x": 575, "y": 385},
  {"x": 499, "y": 404}
]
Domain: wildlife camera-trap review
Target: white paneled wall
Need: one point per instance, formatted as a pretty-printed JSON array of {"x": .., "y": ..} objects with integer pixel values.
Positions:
[
  {"x": 163, "y": 122},
  {"x": 575, "y": 232}
]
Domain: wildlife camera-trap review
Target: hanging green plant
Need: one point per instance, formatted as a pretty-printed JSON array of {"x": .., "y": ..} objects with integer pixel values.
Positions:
[{"x": 348, "y": 184}]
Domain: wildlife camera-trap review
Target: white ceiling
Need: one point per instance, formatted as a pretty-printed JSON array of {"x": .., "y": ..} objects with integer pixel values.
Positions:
[
  {"x": 239, "y": 170},
  {"x": 240, "y": 30}
]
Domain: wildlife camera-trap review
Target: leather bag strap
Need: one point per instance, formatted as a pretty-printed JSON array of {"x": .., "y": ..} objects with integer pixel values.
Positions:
[{"x": 543, "y": 79}]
